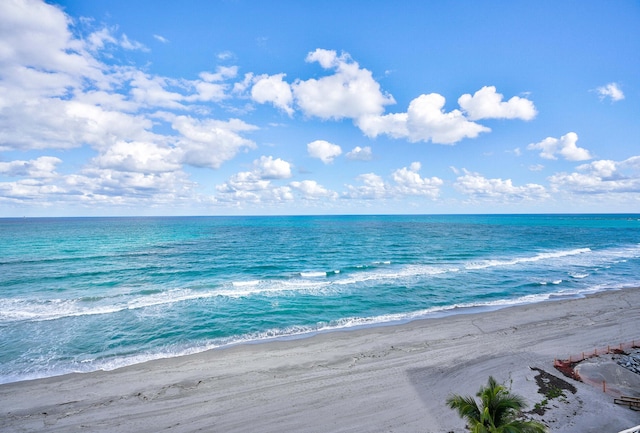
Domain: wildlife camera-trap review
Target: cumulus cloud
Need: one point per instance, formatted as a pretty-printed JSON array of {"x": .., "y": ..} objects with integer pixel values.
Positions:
[
  {"x": 222, "y": 73},
  {"x": 360, "y": 154},
  {"x": 408, "y": 182},
  {"x": 97, "y": 188},
  {"x": 35, "y": 35},
  {"x": 405, "y": 181},
  {"x": 425, "y": 120},
  {"x": 324, "y": 151},
  {"x": 565, "y": 146},
  {"x": 32, "y": 190},
  {"x": 486, "y": 103},
  {"x": 139, "y": 157},
  {"x": 152, "y": 91},
  {"x": 601, "y": 177},
  {"x": 373, "y": 187},
  {"x": 312, "y": 190},
  {"x": 351, "y": 92},
  {"x": 209, "y": 143},
  {"x": 57, "y": 93},
  {"x": 64, "y": 124},
  {"x": 272, "y": 88},
  {"x": 478, "y": 186},
  {"x": 256, "y": 186},
  {"x": 270, "y": 168},
  {"x": 42, "y": 167},
  {"x": 611, "y": 91}
]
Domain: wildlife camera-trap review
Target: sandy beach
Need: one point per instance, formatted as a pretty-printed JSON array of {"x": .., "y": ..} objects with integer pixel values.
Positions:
[{"x": 383, "y": 379}]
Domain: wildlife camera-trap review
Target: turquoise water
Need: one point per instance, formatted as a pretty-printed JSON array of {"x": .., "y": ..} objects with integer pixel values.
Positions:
[{"x": 82, "y": 294}]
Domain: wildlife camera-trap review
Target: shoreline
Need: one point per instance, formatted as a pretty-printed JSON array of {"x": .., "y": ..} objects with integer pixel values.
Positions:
[
  {"x": 389, "y": 320},
  {"x": 394, "y": 377}
]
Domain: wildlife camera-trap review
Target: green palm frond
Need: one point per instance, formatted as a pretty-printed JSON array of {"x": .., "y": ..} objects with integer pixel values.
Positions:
[{"x": 497, "y": 411}]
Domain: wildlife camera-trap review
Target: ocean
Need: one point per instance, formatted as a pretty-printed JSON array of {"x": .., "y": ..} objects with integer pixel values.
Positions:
[{"x": 85, "y": 294}]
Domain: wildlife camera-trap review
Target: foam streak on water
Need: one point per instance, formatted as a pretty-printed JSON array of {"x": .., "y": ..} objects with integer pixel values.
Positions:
[{"x": 83, "y": 294}]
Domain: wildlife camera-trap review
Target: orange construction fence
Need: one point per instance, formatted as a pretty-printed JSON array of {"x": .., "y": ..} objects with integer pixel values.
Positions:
[{"x": 566, "y": 365}]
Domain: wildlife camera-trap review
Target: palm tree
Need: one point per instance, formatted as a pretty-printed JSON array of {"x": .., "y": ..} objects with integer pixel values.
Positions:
[{"x": 497, "y": 411}]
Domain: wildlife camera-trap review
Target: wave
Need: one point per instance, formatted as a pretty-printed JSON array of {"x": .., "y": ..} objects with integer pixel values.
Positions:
[
  {"x": 12, "y": 310},
  {"x": 313, "y": 274},
  {"x": 308, "y": 283},
  {"x": 251, "y": 283},
  {"x": 515, "y": 261},
  {"x": 294, "y": 332},
  {"x": 579, "y": 276},
  {"x": 554, "y": 282}
]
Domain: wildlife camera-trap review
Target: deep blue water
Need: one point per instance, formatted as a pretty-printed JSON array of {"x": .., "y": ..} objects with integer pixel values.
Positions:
[{"x": 81, "y": 294}]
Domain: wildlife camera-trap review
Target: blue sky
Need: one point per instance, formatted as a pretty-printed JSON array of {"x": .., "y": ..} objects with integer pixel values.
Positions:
[{"x": 298, "y": 107}]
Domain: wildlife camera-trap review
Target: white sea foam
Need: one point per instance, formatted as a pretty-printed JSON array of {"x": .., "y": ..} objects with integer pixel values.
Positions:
[
  {"x": 313, "y": 274},
  {"x": 251, "y": 283},
  {"x": 579, "y": 276},
  {"x": 312, "y": 283},
  {"x": 52, "y": 309},
  {"x": 515, "y": 261}
]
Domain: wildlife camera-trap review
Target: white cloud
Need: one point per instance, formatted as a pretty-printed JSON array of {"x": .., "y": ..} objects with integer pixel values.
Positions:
[
  {"x": 29, "y": 190},
  {"x": 35, "y": 34},
  {"x": 374, "y": 188},
  {"x": 97, "y": 40},
  {"x": 611, "y": 91},
  {"x": 100, "y": 39},
  {"x": 222, "y": 73},
  {"x": 61, "y": 124},
  {"x": 604, "y": 168},
  {"x": 270, "y": 168},
  {"x": 405, "y": 181},
  {"x": 310, "y": 189},
  {"x": 274, "y": 90},
  {"x": 151, "y": 91},
  {"x": 42, "y": 167},
  {"x": 103, "y": 186},
  {"x": 240, "y": 87},
  {"x": 205, "y": 91},
  {"x": 408, "y": 182},
  {"x": 349, "y": 93},
  {"x": 486, "y": 103},
  {"x": 161, "y": 39},
  {"x": 425, "y": 120},
  {"x": 95, "y": 188},
  {"x": 565, "y": 147},
  {"x": 360, "y": 154},
  {"x": 393, "y": 125},
  {"x": 209, "y": 143},
  {"x": 55, "y": 92},
  {"x": 225, "y": 55},
  {"x": 324, "y": 150},
  {"x": 256, "y": 186},
  {"x": 478, "y": 186},
  {"x": 128, "y": 44},
  {"x": 601, "y": 177},
  {"x": 139, "y": 157}
]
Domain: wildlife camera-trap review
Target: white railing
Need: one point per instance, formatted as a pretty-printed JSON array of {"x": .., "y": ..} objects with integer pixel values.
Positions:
[{"x": 635, "y": 429}]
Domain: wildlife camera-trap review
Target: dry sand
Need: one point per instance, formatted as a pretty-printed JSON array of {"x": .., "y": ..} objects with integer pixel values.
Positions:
[{"x": 385, "y": 379}]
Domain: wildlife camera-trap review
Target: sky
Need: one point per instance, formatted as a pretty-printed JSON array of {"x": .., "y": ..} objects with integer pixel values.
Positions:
[{"x": 239, "y": 107}]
